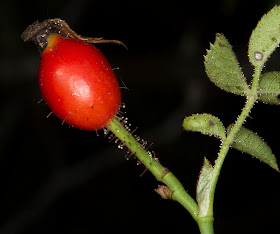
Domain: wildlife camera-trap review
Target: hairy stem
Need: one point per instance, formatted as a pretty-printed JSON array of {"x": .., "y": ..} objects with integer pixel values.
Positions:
[
  {"x": 251, "y": 99},
  {"x": 177, "y": 191}
]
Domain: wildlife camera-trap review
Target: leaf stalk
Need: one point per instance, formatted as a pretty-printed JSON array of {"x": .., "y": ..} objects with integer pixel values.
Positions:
[{"x": 251, "y": 99}]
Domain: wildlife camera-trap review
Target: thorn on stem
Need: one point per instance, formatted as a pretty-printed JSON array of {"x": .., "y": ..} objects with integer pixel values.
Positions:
[
  {"x": 128, "y": 154},
  {"x": 105, "y": 131},
  {"x": 146, "y": 169}
]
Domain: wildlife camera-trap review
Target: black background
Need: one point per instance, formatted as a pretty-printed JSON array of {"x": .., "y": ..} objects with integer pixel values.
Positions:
[{"x": 56, "y": 179}]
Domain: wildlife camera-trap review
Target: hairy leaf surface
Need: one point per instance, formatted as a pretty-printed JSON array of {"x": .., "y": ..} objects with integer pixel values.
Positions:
[
  {"x": 222, "y": 67},
  {"x": 249, "y": 142},
  {"x": 206, "y": 124},
  {"x": 265, "y": 38},
  {"x": 269, "y": 88}
]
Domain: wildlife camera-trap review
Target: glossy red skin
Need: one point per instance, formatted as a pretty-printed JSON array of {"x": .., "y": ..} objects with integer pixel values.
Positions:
[{"x": 78, "y": 84}]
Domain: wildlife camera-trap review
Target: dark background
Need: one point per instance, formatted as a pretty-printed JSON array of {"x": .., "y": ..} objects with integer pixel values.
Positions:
[{"x": 56, "y": 179}]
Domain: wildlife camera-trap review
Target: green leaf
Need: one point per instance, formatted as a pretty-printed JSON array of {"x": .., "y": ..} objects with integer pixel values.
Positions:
[
  {"x": 222, "y": 67},
  {"x": 203, "y": 189},
  {"x": 206, "y": 124},
  {"x": 269, "y": 88},
  {"x": 265, "y": 38},
  {"x": 249, "y": 142}
]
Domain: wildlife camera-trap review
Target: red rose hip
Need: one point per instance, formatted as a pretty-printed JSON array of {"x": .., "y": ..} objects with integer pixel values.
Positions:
[{"x": 77, "y": 83}]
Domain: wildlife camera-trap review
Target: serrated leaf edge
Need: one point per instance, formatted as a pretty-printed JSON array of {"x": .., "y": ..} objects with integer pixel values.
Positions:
[
  {"x": 206, "y": 59},
  {"x": 263, "y": 59},
  {"x": 255, "y": 152},
  {"x": 222, "y": 138}
]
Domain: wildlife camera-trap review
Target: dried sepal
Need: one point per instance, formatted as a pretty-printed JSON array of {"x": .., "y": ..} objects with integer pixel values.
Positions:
[{"x": 38, "y": 33}]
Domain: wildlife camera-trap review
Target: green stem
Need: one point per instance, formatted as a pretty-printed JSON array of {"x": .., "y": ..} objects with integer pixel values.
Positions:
[
  {"x": 206, "y": 225},
  {"x": 251, "y": 99},
  {"x": 161, "y": 173},
  {"x": 177, "y": 191}
]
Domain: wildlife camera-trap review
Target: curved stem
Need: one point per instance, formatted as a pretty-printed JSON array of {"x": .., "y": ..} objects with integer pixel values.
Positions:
[
  {"x": 177, "y": 191},
  {"x": 251, "y": 99}
]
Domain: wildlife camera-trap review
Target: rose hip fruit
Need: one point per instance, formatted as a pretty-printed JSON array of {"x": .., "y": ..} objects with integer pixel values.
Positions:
[{"x": 77, "y": 83}]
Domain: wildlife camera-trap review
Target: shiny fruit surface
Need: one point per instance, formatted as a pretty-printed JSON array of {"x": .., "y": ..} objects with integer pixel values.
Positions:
[{"x": 77, "y": 83}]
